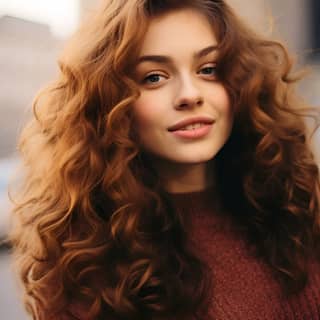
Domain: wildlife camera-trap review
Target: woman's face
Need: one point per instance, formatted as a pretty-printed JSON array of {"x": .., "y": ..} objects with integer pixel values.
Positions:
[{"x": 183, "y": 114}]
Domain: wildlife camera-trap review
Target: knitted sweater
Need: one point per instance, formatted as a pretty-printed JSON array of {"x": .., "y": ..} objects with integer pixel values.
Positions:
[{"x": 243, "y": 285}]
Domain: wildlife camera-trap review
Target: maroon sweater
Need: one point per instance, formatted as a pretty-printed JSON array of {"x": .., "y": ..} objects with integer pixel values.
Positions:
[{"x": 243, "y": 286}]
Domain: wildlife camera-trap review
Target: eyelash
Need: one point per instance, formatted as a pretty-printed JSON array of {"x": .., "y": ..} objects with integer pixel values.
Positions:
[
  {"x": 214, "y": 68},
  {"x": 147, "y": 78}
]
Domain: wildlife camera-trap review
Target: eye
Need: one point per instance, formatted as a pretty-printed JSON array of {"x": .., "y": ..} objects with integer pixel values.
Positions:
[
  {"x": 153, "y": 78},
  {"x": 210, "y": 71}
]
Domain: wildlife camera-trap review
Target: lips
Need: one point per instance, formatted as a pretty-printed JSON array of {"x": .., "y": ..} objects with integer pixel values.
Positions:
[
  {"x": 190, "y": 122},
  {"x": 193, "y": 126}
]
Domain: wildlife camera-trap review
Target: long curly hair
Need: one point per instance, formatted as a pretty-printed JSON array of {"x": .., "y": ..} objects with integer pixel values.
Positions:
[{"x": 93, "y": 227}]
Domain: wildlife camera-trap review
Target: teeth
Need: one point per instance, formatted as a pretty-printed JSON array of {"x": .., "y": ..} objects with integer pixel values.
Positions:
[{"x": 192, "y": 126}]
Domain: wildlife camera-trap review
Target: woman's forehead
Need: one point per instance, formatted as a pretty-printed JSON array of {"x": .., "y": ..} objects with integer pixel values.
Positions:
[{"x": 176, "y": 29}]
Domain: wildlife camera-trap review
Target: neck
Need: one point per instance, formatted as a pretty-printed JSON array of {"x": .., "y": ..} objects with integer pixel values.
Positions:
[{"x": 183, "y": 178}]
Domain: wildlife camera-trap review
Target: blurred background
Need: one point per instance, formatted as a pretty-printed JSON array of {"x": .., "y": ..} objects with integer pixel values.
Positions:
[{"x": 33, "y": 32}]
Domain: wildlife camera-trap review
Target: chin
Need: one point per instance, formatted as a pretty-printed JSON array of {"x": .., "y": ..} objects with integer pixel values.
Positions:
[{"x": 194, "y": 159}]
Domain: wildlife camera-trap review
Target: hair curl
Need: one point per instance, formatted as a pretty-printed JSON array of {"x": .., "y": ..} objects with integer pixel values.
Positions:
[{"x": 91, "y": 204}]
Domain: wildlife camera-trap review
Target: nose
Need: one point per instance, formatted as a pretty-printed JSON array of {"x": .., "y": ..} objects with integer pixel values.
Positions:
[{"x": 188, "y": 94}]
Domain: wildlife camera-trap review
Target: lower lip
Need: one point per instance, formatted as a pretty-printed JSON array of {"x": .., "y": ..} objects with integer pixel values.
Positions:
[{"x": 193, "y": 133}]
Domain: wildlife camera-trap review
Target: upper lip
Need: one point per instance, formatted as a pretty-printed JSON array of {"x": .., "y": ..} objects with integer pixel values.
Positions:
[{"x": 185, "y": 122}]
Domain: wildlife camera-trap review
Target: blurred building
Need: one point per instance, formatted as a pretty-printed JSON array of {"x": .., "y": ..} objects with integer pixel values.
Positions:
[
  {"x": 290, "y": 20},
  {"x": 315, "y": 19}
]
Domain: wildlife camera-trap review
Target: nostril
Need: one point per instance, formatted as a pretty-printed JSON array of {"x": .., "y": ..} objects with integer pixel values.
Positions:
[
  {"x": 200, "y": 101},
  {"x": 184, "y": 105}
]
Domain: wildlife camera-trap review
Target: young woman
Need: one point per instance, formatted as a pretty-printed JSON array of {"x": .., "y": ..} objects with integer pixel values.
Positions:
[{"x": 169, "y": 174}]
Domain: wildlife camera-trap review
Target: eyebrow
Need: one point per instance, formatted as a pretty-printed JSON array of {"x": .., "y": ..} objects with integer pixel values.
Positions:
[{"x": 167, "y": 60}]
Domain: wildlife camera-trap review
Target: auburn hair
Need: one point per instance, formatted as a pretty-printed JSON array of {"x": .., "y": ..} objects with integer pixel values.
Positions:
[{"x": 93, "y": 229}]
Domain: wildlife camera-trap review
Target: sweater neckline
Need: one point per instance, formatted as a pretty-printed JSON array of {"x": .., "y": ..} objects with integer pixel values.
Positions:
[{"x": 205, "y": 199}]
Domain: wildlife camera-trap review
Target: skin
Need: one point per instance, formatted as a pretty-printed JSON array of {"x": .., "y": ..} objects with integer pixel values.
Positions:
[{"x": 180, "y": 86}]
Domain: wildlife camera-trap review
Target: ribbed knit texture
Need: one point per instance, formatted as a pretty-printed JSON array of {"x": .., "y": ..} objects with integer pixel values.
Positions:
[{"x": 243, "y": 286}]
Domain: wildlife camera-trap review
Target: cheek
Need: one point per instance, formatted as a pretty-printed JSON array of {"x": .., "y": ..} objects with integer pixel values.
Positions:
[
  {"x": 147, "y": 119},
  {"x": 225, "y": 103},
  {"x": 147, "y": 111}
]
